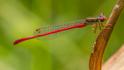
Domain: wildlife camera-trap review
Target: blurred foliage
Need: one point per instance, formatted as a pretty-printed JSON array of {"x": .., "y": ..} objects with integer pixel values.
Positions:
[{"x": 69, "y": 51}]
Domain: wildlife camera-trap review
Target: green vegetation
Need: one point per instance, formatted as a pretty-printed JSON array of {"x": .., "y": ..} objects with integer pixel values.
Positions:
[{"x": 68, "y": 51}]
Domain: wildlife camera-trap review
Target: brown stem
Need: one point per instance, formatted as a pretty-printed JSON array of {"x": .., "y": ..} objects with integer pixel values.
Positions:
[{"x": 95, "y": 62}]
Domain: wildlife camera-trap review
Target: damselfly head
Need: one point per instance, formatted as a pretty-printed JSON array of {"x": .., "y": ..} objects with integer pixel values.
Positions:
[
  {"x": 99, "y": 26},
  {"x": 102, "y": 18}
]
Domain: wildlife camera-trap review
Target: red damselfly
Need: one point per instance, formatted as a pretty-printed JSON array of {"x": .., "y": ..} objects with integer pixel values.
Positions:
[{"x": 63, "y": 27}]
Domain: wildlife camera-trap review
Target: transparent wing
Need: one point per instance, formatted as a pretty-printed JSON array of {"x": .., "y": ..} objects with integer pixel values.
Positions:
[{"x": 53, "y": 27}]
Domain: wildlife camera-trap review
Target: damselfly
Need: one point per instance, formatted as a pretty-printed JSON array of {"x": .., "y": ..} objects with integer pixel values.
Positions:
[{"x": 63, "y": 27}]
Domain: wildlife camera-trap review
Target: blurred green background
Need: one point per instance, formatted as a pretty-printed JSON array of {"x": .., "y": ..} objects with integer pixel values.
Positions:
[{"x": 69, "y": 51}]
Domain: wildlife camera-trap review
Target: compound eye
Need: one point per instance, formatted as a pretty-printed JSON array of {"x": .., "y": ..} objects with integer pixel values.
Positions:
[{"x": 102, "y": 18}]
